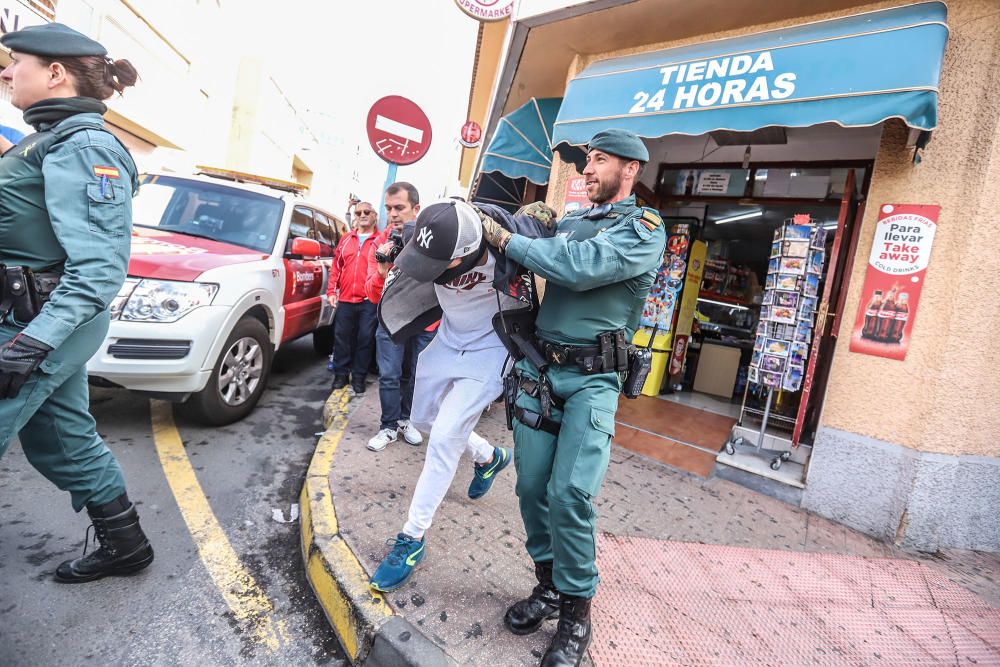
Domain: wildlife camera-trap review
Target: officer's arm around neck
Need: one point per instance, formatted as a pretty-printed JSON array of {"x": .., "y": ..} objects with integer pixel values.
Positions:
[{"x": 626, "y": 250}]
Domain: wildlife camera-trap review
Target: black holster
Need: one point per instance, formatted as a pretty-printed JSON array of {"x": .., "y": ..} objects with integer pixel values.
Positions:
[{"x": 23, "y": 292}]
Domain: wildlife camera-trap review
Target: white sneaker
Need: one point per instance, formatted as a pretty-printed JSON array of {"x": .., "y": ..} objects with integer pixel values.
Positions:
[
  {"x": 381, "y": 439},
  {"x": 409, "y": 432}
]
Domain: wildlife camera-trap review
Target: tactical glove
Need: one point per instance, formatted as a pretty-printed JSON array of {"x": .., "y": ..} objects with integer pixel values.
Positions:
[
  {"x": 19, "y": 358},
  {"x": 541, "y": 212},
  {"x": 494, "y": 233}
]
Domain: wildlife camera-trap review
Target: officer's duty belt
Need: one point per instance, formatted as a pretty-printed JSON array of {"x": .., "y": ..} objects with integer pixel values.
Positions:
[
  {"x": 25, "y": 292},
  {"x": 609, "y": 355},
  {"x": 562, "y": 355},
  {"x": 535, "y": 421}
]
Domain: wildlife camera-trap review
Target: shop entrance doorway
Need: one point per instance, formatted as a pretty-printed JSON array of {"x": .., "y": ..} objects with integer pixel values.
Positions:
[{"x": 714, "y": 305}]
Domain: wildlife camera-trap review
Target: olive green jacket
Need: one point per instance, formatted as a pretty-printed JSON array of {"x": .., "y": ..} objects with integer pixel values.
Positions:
[
  {"x": 599, "y": 271},
  {"x": 66, "y": 205}
]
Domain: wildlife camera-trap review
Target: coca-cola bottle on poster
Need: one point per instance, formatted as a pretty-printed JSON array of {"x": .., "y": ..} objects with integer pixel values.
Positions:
[
  {"x": 902, "y": 315},
  {"x": 886, "y": 316},
  {"x": 871, "y": 315}
]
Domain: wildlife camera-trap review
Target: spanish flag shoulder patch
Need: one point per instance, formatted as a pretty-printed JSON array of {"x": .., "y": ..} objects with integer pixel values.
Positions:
[
  {"x": 650, "y": 219},
  {"x": 110, "y": 172}
]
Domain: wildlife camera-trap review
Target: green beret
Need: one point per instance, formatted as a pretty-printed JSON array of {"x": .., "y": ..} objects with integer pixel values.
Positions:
[
  {"x": 621, "y": 143},
  {"x": 52, "y": 40}
]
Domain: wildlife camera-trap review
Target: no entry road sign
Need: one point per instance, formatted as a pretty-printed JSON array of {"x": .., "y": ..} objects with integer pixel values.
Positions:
[{"x": 398, "y": 130}]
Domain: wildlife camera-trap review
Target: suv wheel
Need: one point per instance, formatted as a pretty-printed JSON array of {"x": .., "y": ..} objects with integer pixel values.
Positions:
[{"x": 239, "y": 376}]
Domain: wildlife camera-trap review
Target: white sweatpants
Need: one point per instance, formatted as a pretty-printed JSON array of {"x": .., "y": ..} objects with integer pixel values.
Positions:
[{"x": 451, "y": 390}]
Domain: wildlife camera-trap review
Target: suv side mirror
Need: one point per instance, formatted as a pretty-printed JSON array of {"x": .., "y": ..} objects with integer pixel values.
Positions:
[{"x": 304, "y": 248}]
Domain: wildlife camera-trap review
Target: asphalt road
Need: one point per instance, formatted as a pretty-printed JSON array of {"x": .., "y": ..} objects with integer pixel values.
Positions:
[{"x": 172, "y": 613}]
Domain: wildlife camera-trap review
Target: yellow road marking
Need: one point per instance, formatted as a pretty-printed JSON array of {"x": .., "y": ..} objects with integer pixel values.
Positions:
[
  {"x": 250, "y": 605},
  {"x": 338, "y": 579}
]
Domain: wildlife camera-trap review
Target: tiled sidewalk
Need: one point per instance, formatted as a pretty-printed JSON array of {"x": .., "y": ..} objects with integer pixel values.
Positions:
[{"x": 476, "y": 567}]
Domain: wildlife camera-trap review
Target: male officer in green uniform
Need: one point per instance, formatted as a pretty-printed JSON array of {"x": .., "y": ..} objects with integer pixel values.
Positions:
[
  {"x": 65, "y": 221},
  {"x": 599, "y": 266}
]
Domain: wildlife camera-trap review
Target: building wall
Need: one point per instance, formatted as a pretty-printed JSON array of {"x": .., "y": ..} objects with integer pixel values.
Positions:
[
  {"x": 198, "y": 99},
  {"x": 908, "y": 451},
  {"x": 943, "y": 396},
  {"x": 178, "y": 112},
  {"x": 488, "y": 54},
  {"x": 266, "y": 134},
  {"x": 182, "y": 99},
  {"x": 960, "y": 172}
]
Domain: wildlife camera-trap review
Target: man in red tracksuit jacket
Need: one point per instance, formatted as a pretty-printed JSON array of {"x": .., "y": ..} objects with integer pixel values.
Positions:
[{"x": 356, "y": 316}]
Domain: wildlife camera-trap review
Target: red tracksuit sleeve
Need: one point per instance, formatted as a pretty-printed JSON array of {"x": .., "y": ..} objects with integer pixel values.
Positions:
[
  {"x": 336, "y": 267},
  {"x": 374, "y": 283}
]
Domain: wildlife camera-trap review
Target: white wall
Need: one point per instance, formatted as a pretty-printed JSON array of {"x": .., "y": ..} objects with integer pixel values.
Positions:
[{"x": 184, "y": 94}]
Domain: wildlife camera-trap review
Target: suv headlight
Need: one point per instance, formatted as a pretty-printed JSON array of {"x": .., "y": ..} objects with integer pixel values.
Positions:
[{"x": 160, "y": 300}]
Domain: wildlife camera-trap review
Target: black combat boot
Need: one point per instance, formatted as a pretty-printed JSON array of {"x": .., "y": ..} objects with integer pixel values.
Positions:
[
  {"x": 124, "y": 548},
  {"x": 572, "y": 635},
  {"x": 526, "y": 616}
]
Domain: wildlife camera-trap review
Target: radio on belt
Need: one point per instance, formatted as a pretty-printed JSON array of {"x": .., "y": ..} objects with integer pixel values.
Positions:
[{"x": 639, "y": 364}]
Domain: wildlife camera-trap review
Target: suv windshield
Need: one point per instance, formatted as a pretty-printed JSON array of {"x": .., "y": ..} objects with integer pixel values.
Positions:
[{"x": 206, "y": 210}]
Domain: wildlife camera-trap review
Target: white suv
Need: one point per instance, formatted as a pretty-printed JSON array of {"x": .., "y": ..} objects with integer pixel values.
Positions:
[{"x": 225, "y": 268}]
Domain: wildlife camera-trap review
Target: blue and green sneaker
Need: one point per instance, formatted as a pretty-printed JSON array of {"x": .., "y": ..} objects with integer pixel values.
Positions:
[
  {"x": 398, "y": 564},
  {"x": 484, "y": 475}
]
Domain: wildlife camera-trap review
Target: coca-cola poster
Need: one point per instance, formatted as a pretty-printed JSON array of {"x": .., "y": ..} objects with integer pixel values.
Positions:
[
  {"x": 896, "y": 268},
  {"x": 576, "y": 194}
]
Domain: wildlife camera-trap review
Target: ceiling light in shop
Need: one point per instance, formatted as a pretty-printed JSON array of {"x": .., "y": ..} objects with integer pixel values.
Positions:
[
  {"x": 831, "y": 225},
  {"x": 723, "y": 303},
  {"x": 740, "y": 216}
]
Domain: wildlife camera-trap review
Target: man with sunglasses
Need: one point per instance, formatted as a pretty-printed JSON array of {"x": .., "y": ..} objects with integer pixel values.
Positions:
[{"x": 356, "y": 317}]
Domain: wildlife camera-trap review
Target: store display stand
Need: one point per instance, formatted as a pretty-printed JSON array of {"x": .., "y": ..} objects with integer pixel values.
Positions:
[
  {"x": 740, "y": 434},
  {"x": 784, "y": 334}
]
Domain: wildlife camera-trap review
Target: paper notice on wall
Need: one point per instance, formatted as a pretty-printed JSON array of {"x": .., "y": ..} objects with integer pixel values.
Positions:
[{"x": 713, "y": 183}]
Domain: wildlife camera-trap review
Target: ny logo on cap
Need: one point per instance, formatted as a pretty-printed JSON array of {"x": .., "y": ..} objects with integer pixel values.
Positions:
[{"x": 424, "y": 237}]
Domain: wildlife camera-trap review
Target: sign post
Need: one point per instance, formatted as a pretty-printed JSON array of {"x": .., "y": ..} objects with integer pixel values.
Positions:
[{"x": 399, "y": 133}]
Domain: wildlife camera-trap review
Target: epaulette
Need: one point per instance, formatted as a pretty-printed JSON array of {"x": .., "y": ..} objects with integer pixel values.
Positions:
[{"x": 650, "y": 219}]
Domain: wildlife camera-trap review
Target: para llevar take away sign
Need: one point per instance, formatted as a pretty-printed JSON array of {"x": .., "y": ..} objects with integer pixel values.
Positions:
[{"x": 897, "y": 266}]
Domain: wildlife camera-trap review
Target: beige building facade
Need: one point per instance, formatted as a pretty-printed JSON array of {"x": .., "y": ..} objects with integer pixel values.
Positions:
[
  {"x": 906, "y": 450},
  {"x": 200, "y": 99}
]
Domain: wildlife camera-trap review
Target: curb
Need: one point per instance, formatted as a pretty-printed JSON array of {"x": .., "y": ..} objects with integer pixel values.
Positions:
[{"x": 366, "y": 626}]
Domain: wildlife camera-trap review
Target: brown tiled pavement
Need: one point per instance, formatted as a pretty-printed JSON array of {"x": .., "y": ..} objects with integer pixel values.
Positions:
[{"x": 476, "y": 564}]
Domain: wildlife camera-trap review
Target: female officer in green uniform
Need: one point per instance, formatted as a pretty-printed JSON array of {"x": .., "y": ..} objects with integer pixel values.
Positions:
[{"x": 65, "y": 227}]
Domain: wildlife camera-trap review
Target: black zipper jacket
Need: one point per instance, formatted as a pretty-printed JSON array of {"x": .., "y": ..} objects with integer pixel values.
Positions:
[{"x": 408, "y": 307}]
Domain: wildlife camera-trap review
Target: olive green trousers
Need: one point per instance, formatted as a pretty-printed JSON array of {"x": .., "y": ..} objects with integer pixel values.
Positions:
[
  {"x": 558, "y": 476},
  {"x": 51, "y": 416}
]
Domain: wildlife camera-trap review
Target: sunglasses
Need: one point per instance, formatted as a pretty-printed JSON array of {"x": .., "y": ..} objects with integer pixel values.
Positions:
[{"x": 368, "y": 212}]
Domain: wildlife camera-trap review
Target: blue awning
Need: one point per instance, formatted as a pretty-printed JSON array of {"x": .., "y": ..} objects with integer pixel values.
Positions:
[
  {"x": 521, "y": 146},
  {"x": 505, "y": 192},
  {"x": 855, "y": 71}
]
